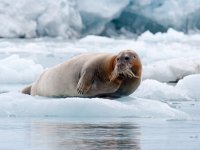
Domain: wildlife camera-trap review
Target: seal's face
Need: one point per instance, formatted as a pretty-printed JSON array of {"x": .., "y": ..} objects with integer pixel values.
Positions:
[{"x": 125, "y": 64}]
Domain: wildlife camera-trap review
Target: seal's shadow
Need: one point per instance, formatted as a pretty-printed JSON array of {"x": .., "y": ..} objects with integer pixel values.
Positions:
[
  {"x": 121, "y": 99},
  {"x": 126, "y": 99}
]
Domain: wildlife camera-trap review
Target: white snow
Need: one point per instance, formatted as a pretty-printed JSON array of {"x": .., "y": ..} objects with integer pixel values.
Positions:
[
  {"x": 187, "y": 88},
  {"x": 172, "y": 69},
  {"x": 191, "y": 86},
  {"x": 153, "y": 89},
  {"x": 18, "y": 70}
]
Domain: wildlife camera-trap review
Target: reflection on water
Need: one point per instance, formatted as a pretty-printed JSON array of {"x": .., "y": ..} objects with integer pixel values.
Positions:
[
  {"x": 57, "y": 136},
  {"x": 97, "y": 134}
]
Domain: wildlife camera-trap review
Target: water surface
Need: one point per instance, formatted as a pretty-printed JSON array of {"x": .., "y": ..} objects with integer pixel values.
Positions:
[{"x": 125, "y": 133}]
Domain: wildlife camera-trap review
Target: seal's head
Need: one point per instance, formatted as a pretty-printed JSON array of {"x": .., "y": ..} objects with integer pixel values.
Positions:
[{"x": 127, "y": 64}]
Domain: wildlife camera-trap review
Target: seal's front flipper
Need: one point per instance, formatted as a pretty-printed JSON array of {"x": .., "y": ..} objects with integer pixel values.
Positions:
[{"x": 85, "y": 83}]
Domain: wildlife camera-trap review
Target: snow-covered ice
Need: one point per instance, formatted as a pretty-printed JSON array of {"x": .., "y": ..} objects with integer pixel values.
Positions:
[
  {"x": 172, "y": 69},
  {"x": 186, "y": 89},
  {"x": 154, "y": 89},
  {"x": 15, "y": 104},
  {"x": 18, "y": 70},
  {"x": 191, "y": 86}
]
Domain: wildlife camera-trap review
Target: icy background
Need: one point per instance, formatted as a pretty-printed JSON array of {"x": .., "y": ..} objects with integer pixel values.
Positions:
[
  {"x": 163, "y": 113},
  {"x": 37, "y": 34},
  {"x": 113, "y": 18}
]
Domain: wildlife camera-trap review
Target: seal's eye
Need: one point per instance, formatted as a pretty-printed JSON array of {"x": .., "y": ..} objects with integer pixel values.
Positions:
[
  {"x": 126, "y": 58},
  {"x": 117, "y": 59}
]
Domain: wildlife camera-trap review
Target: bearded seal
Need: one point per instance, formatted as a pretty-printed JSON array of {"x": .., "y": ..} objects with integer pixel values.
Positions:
[{"x": 91, "y": 75}]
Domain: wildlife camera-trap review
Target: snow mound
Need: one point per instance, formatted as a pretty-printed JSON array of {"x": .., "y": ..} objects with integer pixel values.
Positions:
[
  {"x": 191, "y": 86},
  {"x": 170, "y": 36},
  {"x": 172, "y": 69},
  {"x": 153, "y": 89},
  {"x": 18, "y": 70},
  {"x": 186, "y": 89},
  {"x": 20, "y": 105}
]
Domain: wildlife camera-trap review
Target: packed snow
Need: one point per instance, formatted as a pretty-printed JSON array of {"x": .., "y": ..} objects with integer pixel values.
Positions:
[
  {"x": 77, "y": 18},
  {"x": 18, "y": 70},
  {"x": 164, "y": 60},
  {"x": 191, "y": 86},
  {"x": 172, "y": 70},
  {"x": 186, "y": 89}
]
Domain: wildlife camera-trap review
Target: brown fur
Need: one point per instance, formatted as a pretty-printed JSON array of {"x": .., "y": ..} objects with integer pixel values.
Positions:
[
  {"x": 27, "y": 90},
  {"x": 128, "y": 84}
]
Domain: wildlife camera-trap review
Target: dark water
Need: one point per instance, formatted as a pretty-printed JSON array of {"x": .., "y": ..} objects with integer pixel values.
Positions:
[{"x": 113, "y": 134}]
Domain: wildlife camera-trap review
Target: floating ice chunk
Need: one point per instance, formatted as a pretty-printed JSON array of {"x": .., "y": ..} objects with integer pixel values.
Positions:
[
  {"x": 153, "y": 89},
  {"x": 20, "y": 105},
  {"x": 190, "y": 85},
  {"x": 172, "y": 69},
  {"x": 18, "y": 70},
  {"x": 186, "y": 89}
]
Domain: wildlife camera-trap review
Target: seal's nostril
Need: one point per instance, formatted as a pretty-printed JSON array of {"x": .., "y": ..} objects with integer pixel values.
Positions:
[{"x": 126, "y": 58}]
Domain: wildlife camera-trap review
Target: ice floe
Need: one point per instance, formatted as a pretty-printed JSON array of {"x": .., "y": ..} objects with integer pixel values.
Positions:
[{"x": 15, "y": 104}]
